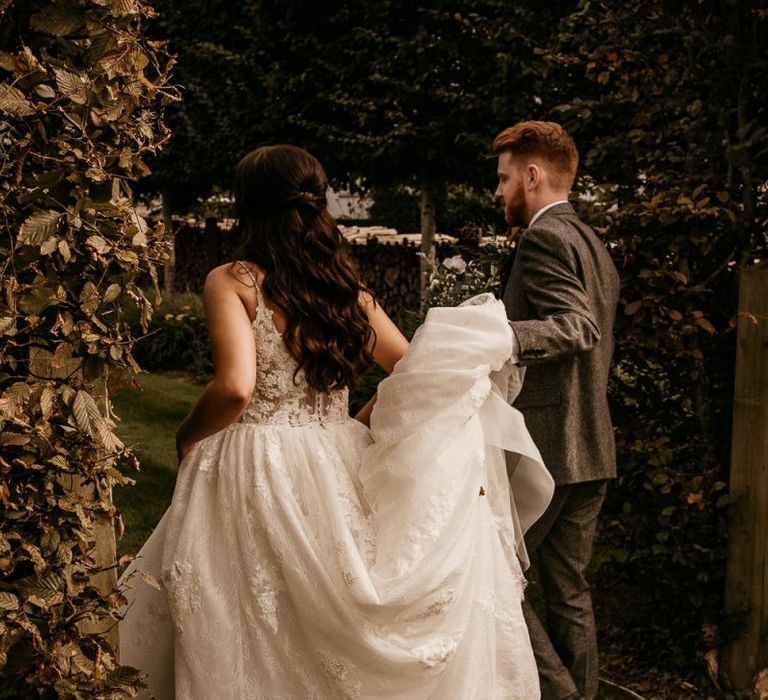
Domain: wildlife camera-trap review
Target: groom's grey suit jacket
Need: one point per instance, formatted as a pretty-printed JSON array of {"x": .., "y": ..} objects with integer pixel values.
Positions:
[{"x": 561, "y": 300}]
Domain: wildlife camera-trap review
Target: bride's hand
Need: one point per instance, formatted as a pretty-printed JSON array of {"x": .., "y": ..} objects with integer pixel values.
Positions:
[{"x": 364, "y": 414}]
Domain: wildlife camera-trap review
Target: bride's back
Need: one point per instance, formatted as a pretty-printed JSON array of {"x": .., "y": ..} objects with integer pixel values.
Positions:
[{"x": 281, "y": 393}]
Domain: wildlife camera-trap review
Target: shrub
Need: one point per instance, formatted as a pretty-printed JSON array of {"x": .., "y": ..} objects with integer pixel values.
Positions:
[
  {"x": 79, "y": 91},
  {"x": 178, "y": 337},
  {"x": 461, "y": 276},
  {"x": 680, "y": 194}
]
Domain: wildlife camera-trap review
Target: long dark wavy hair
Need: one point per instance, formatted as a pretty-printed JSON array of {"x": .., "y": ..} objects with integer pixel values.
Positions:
[{"x": 285, "y": 228}]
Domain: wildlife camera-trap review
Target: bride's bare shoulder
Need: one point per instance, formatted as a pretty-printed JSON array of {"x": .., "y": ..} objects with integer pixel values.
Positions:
[{"x": 232, "y": 274}]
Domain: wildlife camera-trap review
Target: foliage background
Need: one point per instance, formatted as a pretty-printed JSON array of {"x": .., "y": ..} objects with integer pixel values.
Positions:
[
  {"x": 667, "y": 102},
  {"x": 176, "y": 338},
  {"x": 79, "y": 94}
]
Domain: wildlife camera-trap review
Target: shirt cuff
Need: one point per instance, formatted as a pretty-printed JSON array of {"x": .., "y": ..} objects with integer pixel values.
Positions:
[{"x": 515, "y": 356}]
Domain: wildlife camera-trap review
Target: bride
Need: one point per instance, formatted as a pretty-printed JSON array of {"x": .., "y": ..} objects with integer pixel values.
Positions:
[{"x": 306, "y": 554}]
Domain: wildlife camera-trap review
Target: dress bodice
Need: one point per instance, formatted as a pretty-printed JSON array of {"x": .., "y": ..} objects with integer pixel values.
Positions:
[{"x": 281, "y": 395}]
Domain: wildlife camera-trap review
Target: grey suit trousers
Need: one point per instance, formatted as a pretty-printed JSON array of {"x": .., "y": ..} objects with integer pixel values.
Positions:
[{"x": 565, "y": 646}]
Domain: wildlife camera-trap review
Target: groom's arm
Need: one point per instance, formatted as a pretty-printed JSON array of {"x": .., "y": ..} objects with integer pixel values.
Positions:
[{"x": 565, "y": 323}]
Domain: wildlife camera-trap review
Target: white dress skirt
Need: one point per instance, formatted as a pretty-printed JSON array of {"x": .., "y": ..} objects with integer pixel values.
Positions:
[{"x": 306, "y": 556}]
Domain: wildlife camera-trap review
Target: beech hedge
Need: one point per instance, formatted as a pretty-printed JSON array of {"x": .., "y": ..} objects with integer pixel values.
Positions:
[{"x": 80, "y": 111}]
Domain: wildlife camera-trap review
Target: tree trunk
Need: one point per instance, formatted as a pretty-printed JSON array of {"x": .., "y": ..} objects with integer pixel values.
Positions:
[
  {"x": 746, "y": 586},
  {"x": 427, "y": 262},
  {"x": 169, "y": 270}
]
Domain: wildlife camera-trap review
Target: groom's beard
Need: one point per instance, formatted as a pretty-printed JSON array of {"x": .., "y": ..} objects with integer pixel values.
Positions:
[{"x": 515, "y": 211}]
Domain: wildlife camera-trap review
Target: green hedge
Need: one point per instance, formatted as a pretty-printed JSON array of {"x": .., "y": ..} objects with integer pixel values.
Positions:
[{"x": 177, "y": 338}]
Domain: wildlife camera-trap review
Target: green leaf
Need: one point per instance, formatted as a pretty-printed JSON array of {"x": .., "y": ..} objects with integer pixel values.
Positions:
[{"x": 39, "y": 227}]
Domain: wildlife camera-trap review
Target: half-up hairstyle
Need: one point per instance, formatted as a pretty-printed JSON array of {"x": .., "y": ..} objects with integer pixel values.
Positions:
[{"x": 285, "y": 228}]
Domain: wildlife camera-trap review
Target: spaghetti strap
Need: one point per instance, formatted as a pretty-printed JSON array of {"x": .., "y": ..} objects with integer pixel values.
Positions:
[{"x": 259, "y": 298}]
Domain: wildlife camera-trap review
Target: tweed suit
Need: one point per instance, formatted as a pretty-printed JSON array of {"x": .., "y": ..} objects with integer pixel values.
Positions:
[{"x": 561, "y": 301}]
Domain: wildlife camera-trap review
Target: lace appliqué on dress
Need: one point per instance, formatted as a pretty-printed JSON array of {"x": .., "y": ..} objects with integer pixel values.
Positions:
[
  {"x": 281, "y": 394},
  {"x": 183, "y": 586},
  {"x": 340, "y": 672},
  {"x": 266, "y": 585}
]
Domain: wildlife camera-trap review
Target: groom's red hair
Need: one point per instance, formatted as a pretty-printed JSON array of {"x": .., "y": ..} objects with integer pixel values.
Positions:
[{"x": 545, "y": 140}]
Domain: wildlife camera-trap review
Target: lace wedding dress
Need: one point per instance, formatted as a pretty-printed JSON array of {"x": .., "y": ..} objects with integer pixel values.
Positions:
[{"x": 304, "y": 556}]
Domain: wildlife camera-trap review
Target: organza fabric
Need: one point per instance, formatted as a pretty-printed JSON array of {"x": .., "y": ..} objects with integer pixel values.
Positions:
[{"x": 304, "y": 556}]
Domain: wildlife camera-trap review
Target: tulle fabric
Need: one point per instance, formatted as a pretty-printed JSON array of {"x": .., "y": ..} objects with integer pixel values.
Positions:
[{"x": 323, "y": 560}]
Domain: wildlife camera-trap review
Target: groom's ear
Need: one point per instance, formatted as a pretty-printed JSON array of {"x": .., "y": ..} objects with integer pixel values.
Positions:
[{"x": 533, "y": 176}]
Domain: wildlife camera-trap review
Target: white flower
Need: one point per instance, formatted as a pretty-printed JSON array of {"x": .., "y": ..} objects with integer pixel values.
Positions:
[{"x": 455, "y": 263}]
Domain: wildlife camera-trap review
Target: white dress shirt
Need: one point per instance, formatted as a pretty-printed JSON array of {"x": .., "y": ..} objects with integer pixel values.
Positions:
[{"x": 543, "y": 209}]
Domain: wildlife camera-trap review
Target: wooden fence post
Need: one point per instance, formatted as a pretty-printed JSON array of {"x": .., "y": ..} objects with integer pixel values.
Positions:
[
  {"x": 42, "y": 364},
  {"x": 746, "y": 589},
  {"x": 169, "y": 269}
]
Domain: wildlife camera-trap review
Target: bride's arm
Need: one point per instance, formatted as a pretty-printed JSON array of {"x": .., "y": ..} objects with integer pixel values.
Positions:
[
  {"x": 387, "y": 347},
  {"x": 234, "y": 359}
]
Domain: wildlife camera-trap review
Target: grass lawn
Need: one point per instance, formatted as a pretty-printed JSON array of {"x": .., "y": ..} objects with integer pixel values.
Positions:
[{"x": 149, "y": 419}]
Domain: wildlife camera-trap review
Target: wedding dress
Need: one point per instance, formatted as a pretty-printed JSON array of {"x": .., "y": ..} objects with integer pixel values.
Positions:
[{"x": 304, "y": 556}]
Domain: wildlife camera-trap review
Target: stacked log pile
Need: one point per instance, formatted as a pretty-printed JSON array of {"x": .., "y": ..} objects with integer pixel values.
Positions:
[{"x": 388, "y": 261}]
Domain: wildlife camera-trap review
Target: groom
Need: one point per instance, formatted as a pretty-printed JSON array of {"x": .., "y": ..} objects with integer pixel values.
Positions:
[{"x": 561, "y": 301}]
